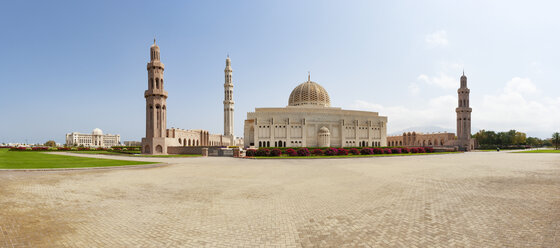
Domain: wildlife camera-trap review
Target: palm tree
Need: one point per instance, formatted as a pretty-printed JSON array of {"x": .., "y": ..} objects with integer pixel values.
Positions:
[{"x": 556, "y": 140}]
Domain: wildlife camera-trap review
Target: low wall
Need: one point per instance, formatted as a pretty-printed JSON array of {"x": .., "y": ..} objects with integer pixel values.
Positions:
[{"x": 212, "y": 150}]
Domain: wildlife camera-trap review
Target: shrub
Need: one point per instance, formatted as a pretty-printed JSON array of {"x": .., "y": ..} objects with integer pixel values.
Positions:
[
  {"x": 366, "y": 151},
  {"x": 251, "y": 153},
  {"x": 303, "y": 152},
  {"x": 387, "y": 151},
  {"x": 39, "y": 148},
  {"x": 405, "y": 150},
  {"x": 331, "y": 151},
  {"x": 275, "y": 152},
  {"x": 290, "y": 152},
  {"x": 263, "y": 152},
  {"x": 355, "y": 151},
  {"x": 429, "y": 149},
  {"x": 414, "y": 150},
  {"x": 83, "y": 149},
  {"x": 421, "y": 150},
  {"x": 342, "y": 152},
  {"x": 377, "y": 150},
  {"x": 317, "y": 152},
  {"x": 64, "y": 148},
  {"x": 396, "y": 150}
]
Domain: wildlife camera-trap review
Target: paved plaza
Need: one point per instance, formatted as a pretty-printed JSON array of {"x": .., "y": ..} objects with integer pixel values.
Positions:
[{"x": 477, "y": 199}]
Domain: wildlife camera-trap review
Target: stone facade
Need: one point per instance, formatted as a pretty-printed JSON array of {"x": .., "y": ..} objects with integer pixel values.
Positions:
[
  {"x": 158, "y": 138},
  {"x": 422, "y": 139},
  {"x": 95, "y": 139},
  {"x": 309, "y": 121}
]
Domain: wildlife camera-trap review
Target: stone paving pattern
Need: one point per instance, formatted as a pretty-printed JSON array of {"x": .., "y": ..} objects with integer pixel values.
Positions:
[{"x": 478, "y": 199}]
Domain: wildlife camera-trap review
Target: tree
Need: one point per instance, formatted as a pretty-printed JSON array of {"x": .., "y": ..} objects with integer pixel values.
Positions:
[
  {"x": 50, "y": 143},
  {"x": 556, "y": 140},
  {"x": 534, "y": 142},
  {"x": 519, "y": 138}
]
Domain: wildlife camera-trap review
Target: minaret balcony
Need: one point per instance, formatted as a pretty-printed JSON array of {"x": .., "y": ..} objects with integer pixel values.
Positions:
[
  {"x": 152, "y": 64},
  {"x": 155, "y": 92}
]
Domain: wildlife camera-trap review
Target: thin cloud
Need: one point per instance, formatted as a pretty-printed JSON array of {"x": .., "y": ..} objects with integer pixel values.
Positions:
[
  {"x": 438, "y": 38},
  {"x": 443, "y": 81}
]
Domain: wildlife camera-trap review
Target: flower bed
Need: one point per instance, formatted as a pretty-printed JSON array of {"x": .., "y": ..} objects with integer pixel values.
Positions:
[
  {"x": 334, "y": 151},
  {"x": 275, "y": 152}
]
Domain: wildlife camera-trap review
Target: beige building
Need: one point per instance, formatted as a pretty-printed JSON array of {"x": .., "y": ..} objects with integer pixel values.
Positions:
[
  {"x": 95, "y": 139},
  {"x": 158, "y": 138},
  {"x": 462, "y": 141},
  {"x": 422, "y": 139},
  {"x": 310, "y": 121}
]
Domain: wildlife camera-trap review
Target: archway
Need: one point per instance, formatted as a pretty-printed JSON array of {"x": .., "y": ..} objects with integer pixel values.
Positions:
[
  {"x": 147, "y": 149},
  {"x": 159, "y": 149}
]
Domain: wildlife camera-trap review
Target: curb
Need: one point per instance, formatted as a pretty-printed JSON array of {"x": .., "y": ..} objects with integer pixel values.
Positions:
[{"x": 118, "y": 167}]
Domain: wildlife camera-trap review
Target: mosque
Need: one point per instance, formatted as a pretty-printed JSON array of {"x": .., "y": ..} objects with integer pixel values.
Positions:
[
  {"x": 310, "y": 121},
  {"x": 307, "y": 121}
]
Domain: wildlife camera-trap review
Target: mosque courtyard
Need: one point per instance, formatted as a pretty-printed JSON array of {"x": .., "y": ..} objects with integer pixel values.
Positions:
[{"x": 476, "y": 199}]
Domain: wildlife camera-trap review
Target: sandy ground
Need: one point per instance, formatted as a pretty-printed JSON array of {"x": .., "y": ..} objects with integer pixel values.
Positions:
[{"x": 478, "y": 199}]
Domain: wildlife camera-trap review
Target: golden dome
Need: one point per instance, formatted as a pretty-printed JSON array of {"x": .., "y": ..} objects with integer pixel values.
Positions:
[{"x": 309, "y": 94}]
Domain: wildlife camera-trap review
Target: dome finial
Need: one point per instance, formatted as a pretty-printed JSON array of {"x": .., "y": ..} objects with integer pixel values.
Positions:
[
  {"x": 308, "y": 76},
  {"x": 154, "y": 40},
  {"x": 463, "y": 71}
]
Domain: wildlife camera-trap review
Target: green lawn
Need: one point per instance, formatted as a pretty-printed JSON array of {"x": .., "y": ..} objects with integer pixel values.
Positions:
[
  {"x": 356, "y": 156},
  {"x": 41, "y": 160},
  {"x": 100, "y": 152},
  {"x": 540, "y": 151}
]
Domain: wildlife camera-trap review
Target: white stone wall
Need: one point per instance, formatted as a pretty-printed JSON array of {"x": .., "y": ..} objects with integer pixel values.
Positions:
[{"x": 299, "y": 127}]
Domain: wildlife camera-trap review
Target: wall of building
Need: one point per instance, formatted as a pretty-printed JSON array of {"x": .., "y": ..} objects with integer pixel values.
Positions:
[
  {"x": 299, "y": 127},
  {"x": 422, "y": 139}
]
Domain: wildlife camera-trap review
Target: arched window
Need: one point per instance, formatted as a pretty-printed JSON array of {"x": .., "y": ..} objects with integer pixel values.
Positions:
[
  {"x": 162, "y": 83},
  {"x": 260, "y": 143},
  {"x": 196, "y": 142},
  {"x": 151, "y": 83},
  {"x": 180, "y": 141},
  {"x": 157, "y": 83},
  {"x": 268, "y": 144}
]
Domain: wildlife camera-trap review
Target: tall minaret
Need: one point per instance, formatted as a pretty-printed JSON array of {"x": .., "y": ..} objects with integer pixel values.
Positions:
[
  {"x": 156, "y": 109},
  {"x": 228, "y": 101},
  {"x": 464, "y": 115}
]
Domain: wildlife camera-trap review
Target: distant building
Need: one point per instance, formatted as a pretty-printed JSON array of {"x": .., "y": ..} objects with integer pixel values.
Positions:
[{"x": 95, "y": 139}]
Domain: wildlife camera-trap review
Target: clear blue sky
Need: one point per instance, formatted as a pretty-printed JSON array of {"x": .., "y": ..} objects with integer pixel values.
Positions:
[{"x": 78, "y": 65}]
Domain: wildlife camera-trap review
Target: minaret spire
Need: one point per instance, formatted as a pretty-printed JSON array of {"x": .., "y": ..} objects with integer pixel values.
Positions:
[
  {"x": 463, "y": 116},
  {"x": 156, "y": 109},
  {"x": 308, "y": 76},
  {"x": 228, "y": 101}
]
